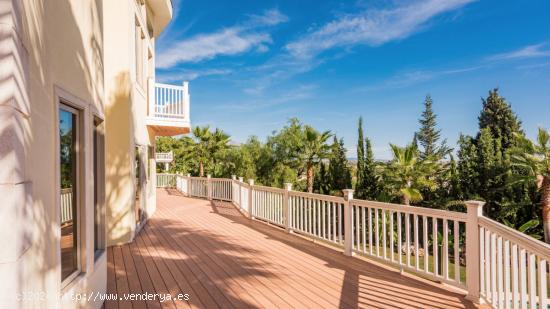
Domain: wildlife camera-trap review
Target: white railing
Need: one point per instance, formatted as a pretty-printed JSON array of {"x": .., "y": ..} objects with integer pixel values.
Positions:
[
  {"x": 221, "y": 189},
  {"x": 66, "y": 200},
  {"x": 166, "y": 180},
  {"x": 318, "y": 216},
  {"x": 164, "y": 156},
  {"x": 493, "y": 263},
  {"x": 168, "y": 102},
  {"x": 267, "y": 204},
  {"x": 513, "y": 267},
  {"x": 422, "y": 240}
]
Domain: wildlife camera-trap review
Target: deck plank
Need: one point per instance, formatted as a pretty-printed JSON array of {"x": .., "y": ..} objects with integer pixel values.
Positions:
[{"x": 222, "y": 259}]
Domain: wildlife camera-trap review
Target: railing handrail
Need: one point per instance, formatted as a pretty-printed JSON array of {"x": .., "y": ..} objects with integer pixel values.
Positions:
[
  {"x": 331, "y": 198},
  {"x": 162, "y": 85},
  {"x": 525, "y": 241},
  {"x": 345, "y": 222},
  {"x": 438, "y": 213},
  {"x": 268, "y": 189}
]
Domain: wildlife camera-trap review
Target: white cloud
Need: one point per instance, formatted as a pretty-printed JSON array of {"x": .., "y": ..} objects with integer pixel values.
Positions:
[
  {"x": 531, "y": 51},
  {"x": 410, "y": 78},
  {"x": 372, "y": 27},
  {"x": 189, "y": 75},
  {"x": 268, "y": 18},
  {"x": 228, "y": 41},
  {"x": 301, "y": 92}
]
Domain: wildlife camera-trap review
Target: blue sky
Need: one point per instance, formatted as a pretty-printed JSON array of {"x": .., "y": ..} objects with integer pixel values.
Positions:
[{"x": 252, "y": 65}]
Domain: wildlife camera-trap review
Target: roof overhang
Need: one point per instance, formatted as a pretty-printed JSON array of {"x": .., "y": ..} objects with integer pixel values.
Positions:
[{"x": 162, "y": 11}]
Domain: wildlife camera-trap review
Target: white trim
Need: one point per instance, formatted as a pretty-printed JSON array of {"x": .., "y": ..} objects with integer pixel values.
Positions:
[{"x": 66, "y": 100}]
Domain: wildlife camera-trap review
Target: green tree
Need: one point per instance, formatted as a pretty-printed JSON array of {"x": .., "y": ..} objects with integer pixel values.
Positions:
[
  {"x": 372, "y": 186},
  {"x": 360, "y": 183},
  {"x": 498, "y": 117},
  {"x": 533, "y": 161},
  {"x": 200, "y": 149},
  {"x": 367, "y": 185},
  {"x": 406, "y": 174},
  {"x": 207, "y": 146},
  {"x": 314, "y": 149},
  {"x": 467, "y": 168},
  {"x": 485, "y": 166},
  {"x": 322, "y": 183},
  {"x": 428, "y": 136},
  {"x": 339, "y": 172}
]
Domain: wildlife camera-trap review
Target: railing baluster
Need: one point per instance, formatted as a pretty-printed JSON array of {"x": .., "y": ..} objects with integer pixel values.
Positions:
[
  {"x": 532, "y": 283},
  {"x": 408, "y": 238},
  {"x": 456, "y": 246},
  {"x": 494, "y": 296},
  {"x": 507, "y": 278},
  {"x": 384, "y": 244},
  {"x": 425, "y": 238},
  {"x": 363, "y": 224},
  {"x": 333, "y": 221},
  {"x": 523, "y": 278},
  {"x": 445, "y": 249},
  {"x": 542, "y": 283},
  {"x": 500, "y": 279},
  {"x": 392, "y": 254},
  {"x": 376, "y": 232},
  {"x": 356, "y": 215},
  {"x": 399, "y": 245},
  {"x": 416, "y": 249},
  {"x": 435, "y": 246},
  {"x": 370, "y": 230}
]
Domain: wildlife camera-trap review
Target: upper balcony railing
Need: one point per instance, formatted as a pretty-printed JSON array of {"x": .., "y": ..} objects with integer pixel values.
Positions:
[
  {"x": 169, "y": 107},
  {"x": 492, "y": 263},
  {"x": 164, "y": 157}
]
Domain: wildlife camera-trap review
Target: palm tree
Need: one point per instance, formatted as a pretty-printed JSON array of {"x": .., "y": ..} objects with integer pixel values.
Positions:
[
  {"x": 314, "y": 149},
  {"x": 406, "y": 174},
  {"x": 534, "y": 160},
  {"x": 200, "y": 149},
  {"x": 219, "y": 142}
]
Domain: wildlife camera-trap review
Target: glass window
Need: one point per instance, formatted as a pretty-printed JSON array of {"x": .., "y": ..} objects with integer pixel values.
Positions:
[
  {"x": 99, "y": 188},
  {"x": 69, "y": 173}
]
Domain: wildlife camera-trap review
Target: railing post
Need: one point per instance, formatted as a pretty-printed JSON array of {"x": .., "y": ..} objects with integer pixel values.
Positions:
[
  {"x": 186, "y": 100},
  {"x": 286, "y": 208},
  {"x": 251, "y": 183},
  {"x": 151, "y": 98},
  {"x": 233, "y": 179},
  {"x": 473, "y": 269},
  {"x": 209, "y": 186},
  {"x": 348, "y": 233},
  {"x": 188, "y": 184}
]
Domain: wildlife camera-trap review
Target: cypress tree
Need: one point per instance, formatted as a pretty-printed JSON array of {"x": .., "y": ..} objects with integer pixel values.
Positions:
[
  {"x": 360, "y": 184},
  {"x": 498, "y": 117},
  {"x": 484, "y": 162},
  {"x": 338, "y": 169},
  {"x": 467, "y": 168},
  {"x": 322, "y": 181},
  {"x": 428, "y": 135},
  {"x": 372, "y": 187}
]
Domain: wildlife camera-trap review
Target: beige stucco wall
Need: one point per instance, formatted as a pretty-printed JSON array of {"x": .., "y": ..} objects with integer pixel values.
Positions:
[
  {"x": 126, "y": 111},
  {"x": 82, "y": 51},
  {"x": 53, "y": 47}
]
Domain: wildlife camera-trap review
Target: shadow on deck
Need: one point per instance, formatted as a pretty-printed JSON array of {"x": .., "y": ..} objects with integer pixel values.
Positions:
[{"x": 221, "y": 259}]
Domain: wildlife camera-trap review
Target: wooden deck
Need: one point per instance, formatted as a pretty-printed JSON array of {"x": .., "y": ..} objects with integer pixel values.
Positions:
[{"x": 221, "y": 259}]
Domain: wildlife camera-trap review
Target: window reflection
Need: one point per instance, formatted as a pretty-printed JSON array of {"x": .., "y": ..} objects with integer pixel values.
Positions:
[{"x": 68, "y": 175}]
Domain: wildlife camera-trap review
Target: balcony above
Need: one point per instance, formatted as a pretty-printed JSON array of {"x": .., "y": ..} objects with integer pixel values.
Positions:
[
  {"x": 162, "y": 11},
  {"x": 164, "y": 157},
  {"x": 168, "y": 112}
]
